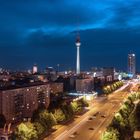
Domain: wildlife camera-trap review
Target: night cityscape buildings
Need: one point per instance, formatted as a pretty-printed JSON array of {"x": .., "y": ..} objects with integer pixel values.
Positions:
[
  {"x": 88, "y": 93},
  {"x": 22, "y": 93}
]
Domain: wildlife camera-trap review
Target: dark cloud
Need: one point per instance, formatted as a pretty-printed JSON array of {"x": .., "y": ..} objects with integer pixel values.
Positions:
[
  {"x": 98, "y": 37},
  {"x": 41, "y": 39},
  {"x": 43, "y": 31},
  {"x": 124, "y": 13}
]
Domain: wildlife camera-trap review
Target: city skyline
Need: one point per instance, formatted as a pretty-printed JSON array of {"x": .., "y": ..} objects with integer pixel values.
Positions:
[{"x": 44, "y": 33}]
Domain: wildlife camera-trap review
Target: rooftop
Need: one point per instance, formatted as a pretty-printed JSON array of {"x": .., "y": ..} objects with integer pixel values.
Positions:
[{"x": 10, "y": 87}]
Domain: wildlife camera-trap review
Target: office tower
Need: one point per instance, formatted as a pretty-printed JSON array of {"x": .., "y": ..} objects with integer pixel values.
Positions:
[
  {"x": 131, "y": 64},
  {"x": 35, "y": 69}
]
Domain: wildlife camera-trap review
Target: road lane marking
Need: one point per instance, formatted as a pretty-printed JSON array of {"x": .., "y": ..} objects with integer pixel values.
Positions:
[
  {"x": 61, "y": 135},
  {"x": 67, "y": 132}
]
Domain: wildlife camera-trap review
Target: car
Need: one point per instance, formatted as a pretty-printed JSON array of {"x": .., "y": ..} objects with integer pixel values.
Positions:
[
  {"x": 75, "y": 133},
  {"x": 94, "y": 117},
  {"x": 72, "y": 136},
  {"x": 90, "y": 118},
  {"x": 103, "y": 116},
  {"x": 91, "y": 128},
  {"x": 96, "y": 113}
]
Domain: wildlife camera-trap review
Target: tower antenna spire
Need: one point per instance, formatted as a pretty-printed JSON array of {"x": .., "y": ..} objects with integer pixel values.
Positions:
[{"x": 78, "y": 44}]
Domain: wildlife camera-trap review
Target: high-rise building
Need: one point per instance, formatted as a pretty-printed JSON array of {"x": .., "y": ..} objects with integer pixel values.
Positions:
[
  {"x": 78, "y": 44},
  {"x": 131, "y": 64},
  {"x": 35, "y": 69},
  {"x": 19, "y": 103}
]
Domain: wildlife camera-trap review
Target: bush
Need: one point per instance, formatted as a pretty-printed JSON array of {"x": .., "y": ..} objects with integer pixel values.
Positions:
[
  {"x": 134, "y": 118},
  {"x": 47, "y": 120},
  {"x": 59, "y": 115},
  {"x": 126, "y": 120},
  {"x": 111, "y": 134},
  {"x": 76, "y": 107},
  {"x": 39, "y": 128},
  {"x": 83, "y": 102},
  {"x": 110, "y": 88},
  {"x": 26, "y": 131},
  {"x": 68, "y": 111}
]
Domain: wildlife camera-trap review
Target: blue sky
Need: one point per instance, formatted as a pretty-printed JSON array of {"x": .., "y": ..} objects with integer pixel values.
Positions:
[{"x": 44, "y": 32}]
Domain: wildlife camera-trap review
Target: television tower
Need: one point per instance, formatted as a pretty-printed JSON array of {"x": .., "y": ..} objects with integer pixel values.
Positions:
[{"x": 78, "y": 44}]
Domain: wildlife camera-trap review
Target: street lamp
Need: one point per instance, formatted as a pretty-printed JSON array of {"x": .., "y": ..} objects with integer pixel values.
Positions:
[{"x": 108, "y": 86}]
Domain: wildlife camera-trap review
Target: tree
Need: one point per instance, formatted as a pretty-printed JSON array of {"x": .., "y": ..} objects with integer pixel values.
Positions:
[
  {"x": 74, "y": 106},
  {"x": 26, "y": 131},
  {"x": 124, "y": 111},
  {"x": 134, "y": 118},
  {"x": 111, "y": 134},
  {"x": 122, "y": 121},
  {"x": 105, "y": 90},
  {"x": 83, "y": 102},
  {"x": 59, "y": 115},
  {"x": 138, "y": 95},
  {"x": 36, "y": 112},
  {"x": 52, "y": 120},
  {"x": 132, "y": 97},
  {"x": 129, "y": 105},
  {"x": 39, "y": 128},
  {"x": 68, "y": 111},
  {"x": 126, "y": 120},
  {"x": 47, "y": 119},
  {"x": 110, "y": 88}
]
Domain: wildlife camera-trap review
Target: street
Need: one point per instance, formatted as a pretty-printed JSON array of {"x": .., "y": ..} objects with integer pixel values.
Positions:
[{"x": 89, "y": 126}]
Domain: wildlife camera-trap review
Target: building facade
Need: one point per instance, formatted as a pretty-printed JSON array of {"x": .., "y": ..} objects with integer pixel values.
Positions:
[
  {"x": 84, "y": 85},
  {"x": 108, "y": 73},
  {"x": 19, "y": 103},
  {"x": 56, "y": 87}
]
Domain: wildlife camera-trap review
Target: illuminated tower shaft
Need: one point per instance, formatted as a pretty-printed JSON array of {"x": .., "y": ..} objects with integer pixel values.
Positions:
[
  {"x": 78, "y": 55},
  {"x": 78, "y": 61}
]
